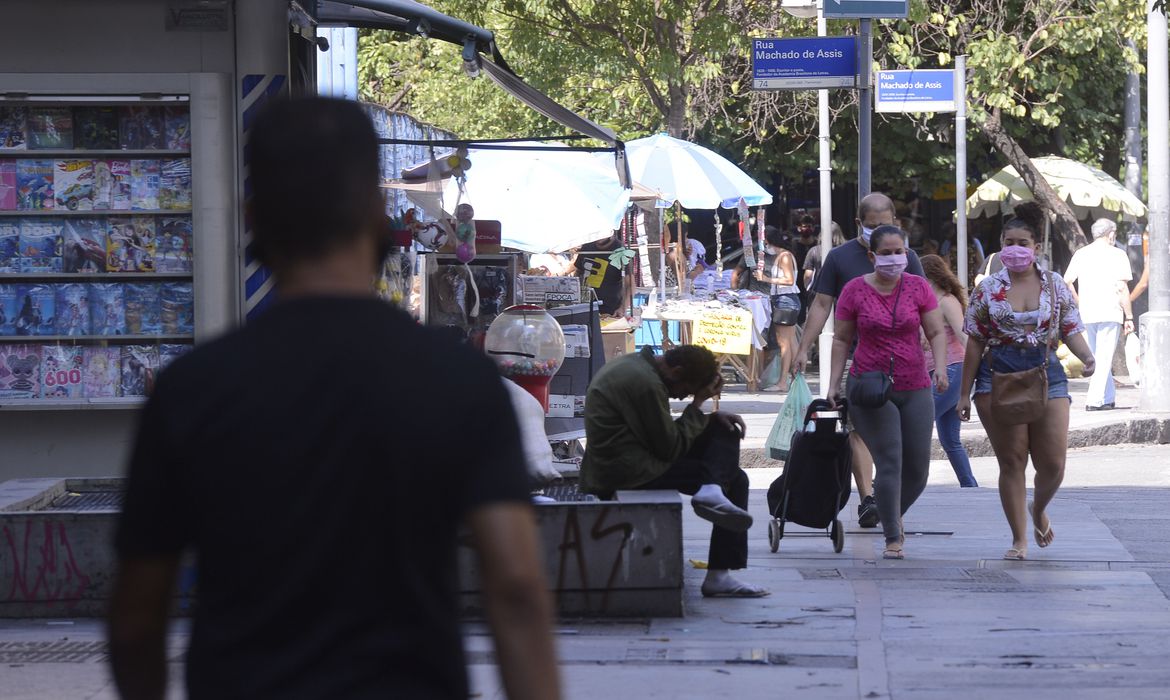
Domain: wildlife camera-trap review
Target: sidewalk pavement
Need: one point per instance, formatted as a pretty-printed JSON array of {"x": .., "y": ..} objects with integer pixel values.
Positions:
[
  {"x": 1123, "y": 425},
  {"x": 1086, "y": 618}
]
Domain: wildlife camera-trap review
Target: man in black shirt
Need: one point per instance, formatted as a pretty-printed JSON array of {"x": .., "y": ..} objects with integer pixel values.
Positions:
[{"x": 319, "y": 462}]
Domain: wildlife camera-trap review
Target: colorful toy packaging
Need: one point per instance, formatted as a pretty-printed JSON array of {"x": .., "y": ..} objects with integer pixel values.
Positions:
[
  {"x": 96, "y": 128},
  {"x": 73, "y": 184},
  {"x": 40, "y": 245},
  {"x": 169, "y": 352},
  {"x": 50, "y": 128},
  {"x": 62, "y": 372},
  {"x": 139, "y": 366},
  {"x": 174, "y": 189},
  {"x": 36, "y": 315},
  {"x": 9, "y": 308},
  {"x": 174, "y": 244},
  {"x": 141, "y": 128},
  {"x": 101, "y": 373},
  {"x": 72, "y": 302},
  {"x": 7, "y": 185},
  {"x": 20, "y": 371},
  {"x": 143, "y": 308},
  {"x": 83, "y": 246},
  {"x": 178, "y": 308},
  {"x": 107, "y": 308},
  {"x": 34, "y": 185},
  {"x": 144, "y": 184},
  {"x": 9, "y": 245},
  {"x": 177, "y": 121},
  {"x": 13, "y": 128}
]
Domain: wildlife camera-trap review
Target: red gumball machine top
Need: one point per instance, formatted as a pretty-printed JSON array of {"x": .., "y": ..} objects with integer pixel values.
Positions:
[{"x": 528, "y": 346}]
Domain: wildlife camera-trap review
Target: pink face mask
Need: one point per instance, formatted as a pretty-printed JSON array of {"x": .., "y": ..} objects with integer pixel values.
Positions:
[
  {"x": 1017, "y": 258},
  {"x": 889, "y": 266}
]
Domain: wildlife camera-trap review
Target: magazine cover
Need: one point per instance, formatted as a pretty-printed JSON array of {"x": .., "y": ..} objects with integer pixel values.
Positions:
[
  {"x": 34, "y": 184},
  {"x": 35, "y": 315},
  {"x": 7, "y": 185},
  {"x": 20, "y": 371},
  {"x": 139, "y": 365},
  {"x": 144, "y": 183},
  {"x": 9, "y": 308},
  {"x": 9, "y": 245},
  {"x": 143, "y": 308},
  {"x": 50, "y": 128},
  {"x": 178, "y": 128},
  {"x": 101, "y": 373},
  {"x": 174, "y": 188},
  {"x": 141, "y": 128},
  {"x": 61, "y": 372},
  {"x": 72, "y": 309},
  {"x": 13, "y": 130},
  {"x": 169, "y": 352},
  {"x": 83, "y": 245},
  {"x": 112, "y": 185},
  {"x": 40, "y": 245},
  {"x": 178, "y": 308},
  {"x": 96, "y": 128},
  {"x": 174, "y": 244},
  {"x": 107, "y": 308},
  {"x": 73, "y": 184},
  {"x": 130, "y": 244}
]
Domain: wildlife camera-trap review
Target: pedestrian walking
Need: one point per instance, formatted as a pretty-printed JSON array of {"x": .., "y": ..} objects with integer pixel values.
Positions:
[
  {"x": 633, "y": 442},
  {"x": 1101, "y": 274},
  {"x": 779, "y": 273},
  {"x": 952, "y": 302},
  {"x": 841, "y": 265},
  {"x": 884, "y": 311},
  {"x": 1016, "y": 319},
  {"x": 323, "y": 505}
]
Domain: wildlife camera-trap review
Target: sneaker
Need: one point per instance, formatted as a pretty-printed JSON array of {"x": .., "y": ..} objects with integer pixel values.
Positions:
[{"x": 867, "y": 512}]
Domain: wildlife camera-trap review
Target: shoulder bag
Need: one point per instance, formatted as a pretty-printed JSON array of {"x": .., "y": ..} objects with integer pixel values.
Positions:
[
  {"x": 873, "y": 389},
  {"x": 1019, "y": 398}
]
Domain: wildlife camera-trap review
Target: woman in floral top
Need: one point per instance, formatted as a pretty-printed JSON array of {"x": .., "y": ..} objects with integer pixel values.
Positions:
[{"x": 1010, "y": 316}]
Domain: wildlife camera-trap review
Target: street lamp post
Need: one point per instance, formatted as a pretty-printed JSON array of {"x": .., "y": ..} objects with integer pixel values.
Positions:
[{"x": 1155, "y": 325}]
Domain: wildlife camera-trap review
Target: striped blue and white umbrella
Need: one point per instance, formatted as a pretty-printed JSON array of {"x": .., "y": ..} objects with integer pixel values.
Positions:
[{"x": 694, "y": 176}]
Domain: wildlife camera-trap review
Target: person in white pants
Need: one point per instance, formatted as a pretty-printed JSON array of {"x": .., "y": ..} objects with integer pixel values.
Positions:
[{"x": 1101, "y": 272}]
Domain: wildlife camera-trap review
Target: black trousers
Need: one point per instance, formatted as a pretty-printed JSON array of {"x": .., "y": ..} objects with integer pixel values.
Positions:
[{"x": 713, "y": 459}]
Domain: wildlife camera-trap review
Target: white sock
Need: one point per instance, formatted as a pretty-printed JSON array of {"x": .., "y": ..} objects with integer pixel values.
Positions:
[{"x": 710, "y": 493}]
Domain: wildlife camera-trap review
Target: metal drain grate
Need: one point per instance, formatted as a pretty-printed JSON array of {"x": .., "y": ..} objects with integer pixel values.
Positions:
[
  {"x": 104, "y": 500},
  {"x": 52, "y": 652}
]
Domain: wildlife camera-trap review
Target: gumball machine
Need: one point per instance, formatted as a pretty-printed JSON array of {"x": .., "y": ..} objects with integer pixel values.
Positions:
[{"x": 528, "y": 345}]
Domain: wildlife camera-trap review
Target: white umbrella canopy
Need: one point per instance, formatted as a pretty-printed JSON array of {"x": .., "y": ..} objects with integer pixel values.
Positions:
[
  {"x": 545, "y": 201},
  {"x": 693, "y": 176},
  {"x": 1089, "y": 191}
]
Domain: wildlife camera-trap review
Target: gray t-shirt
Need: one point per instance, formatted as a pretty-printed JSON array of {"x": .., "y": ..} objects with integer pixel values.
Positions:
[{"x": 849, "y": 261}]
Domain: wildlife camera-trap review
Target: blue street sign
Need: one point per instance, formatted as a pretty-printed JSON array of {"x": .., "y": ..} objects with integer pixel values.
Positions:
[
  {"x": 915, "y": 91},
  {"x": 804, "y": 64},
  {"x": 861, "y": 9}
]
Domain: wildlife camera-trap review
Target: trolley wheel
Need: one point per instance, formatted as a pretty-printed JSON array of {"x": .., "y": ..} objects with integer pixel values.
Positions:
[
  {"x": 838, "y": 534},
  {"x": 774, "y": 535}
]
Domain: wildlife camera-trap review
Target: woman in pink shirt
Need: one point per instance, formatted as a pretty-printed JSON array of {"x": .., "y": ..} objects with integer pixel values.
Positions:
[{"x": 884, "y": 311}]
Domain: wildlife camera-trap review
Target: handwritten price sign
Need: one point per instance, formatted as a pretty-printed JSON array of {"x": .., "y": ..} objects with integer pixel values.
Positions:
[{"x": 725, "y": 331}]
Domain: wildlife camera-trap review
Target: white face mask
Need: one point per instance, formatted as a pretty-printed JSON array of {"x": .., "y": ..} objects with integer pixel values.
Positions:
[
  {"x": 866, "y": 234},
  {"x": 771, "y": 249}
]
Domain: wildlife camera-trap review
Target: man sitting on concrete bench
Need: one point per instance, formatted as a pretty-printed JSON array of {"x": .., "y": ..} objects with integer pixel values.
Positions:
[{"x": 633, "y": 442}]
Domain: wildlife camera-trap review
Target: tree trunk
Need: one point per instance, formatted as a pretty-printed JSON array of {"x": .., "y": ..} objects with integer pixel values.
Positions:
[
  {"x": 677, "y": 116},
  {"x": 1065, "y": 226}
]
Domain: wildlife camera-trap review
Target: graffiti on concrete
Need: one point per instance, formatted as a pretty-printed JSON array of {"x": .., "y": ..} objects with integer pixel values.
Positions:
[
  {"x": 593, "y": 549},
  {"x": 37, "y": 564}
]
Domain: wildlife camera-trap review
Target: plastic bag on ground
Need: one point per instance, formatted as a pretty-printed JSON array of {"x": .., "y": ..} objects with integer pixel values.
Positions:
[{"x": 789, "y": 418}]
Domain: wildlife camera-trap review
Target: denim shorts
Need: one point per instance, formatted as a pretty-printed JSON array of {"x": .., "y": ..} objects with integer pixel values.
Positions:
[{"x": 1017, "y": 358}]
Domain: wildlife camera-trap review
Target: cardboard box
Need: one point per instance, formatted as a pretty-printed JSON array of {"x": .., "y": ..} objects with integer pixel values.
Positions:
[{"x": 617, "y": 343}]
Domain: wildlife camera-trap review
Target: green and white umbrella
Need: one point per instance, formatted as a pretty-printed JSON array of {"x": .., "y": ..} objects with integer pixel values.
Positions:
[{"x": 1089, "y": 191}]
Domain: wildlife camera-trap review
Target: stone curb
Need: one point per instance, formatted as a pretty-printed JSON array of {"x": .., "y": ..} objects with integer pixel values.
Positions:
[{"x": 1139, "y": 431}]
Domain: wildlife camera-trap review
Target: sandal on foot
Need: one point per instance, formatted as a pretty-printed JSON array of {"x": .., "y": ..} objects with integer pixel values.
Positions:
[
  {"x": 737, "y": 590},
  {"x": 892, "y": 553},
  {"x": 1043, "y": 539},
  {"x": 1015, "y": 554}
]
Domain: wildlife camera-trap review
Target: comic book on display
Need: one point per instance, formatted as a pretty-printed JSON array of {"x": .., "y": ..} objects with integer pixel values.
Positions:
[
  {"x": 130, "y": 244},
  {"x": 96, "y": 128},
  {"x": 40, "y": 245},
  {"x": 83, "y": 245},
  {"x": 34, "y": 184},
  {"x": 174, "y": 185},
  {"x": 20, "y": 371},
  {"x": 7, "y": 185},
  {"x": 139, "y": 366},
  {"x": 107, "y": 308},
  {"x": 144, "y": 184},
  {"x": 61, "y": 372},
  {"x": 143, "y": 308},
  {"x": 9, "y": 245},
  {"x": 73, "y": 309},
  {"x": 101, "y": 373},
  {"x": 141, "y": 128},
  {"x": 73, "y": 184},
  {"x": 169, "y": 352},
  {"x": 174, "y": 244},
  {"x": 36, "y": 315},
  {"x": 178, "y": 128},
  {"x": 50, "y": 128},
  {"x": 9, "y": 308},
  {"x": 111, "y": 185},
  {"x": 178, "y": 308},
  {"x": 13, "y": 128}
]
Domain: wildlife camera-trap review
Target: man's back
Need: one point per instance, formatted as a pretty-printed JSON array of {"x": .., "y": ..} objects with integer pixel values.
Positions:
[
  {"x": 1097, "y": 268},
  {"x": 319, "y": 462}
]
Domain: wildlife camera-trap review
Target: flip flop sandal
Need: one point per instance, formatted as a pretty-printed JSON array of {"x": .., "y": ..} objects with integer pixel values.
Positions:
[
  {"x": 1014, "y": 554},
  {"x": 724, "y": 515},
  {"x": 893, "y": 554},
  {"x": 1042, "y": 538},
  {"x": 741, "y": 590}
]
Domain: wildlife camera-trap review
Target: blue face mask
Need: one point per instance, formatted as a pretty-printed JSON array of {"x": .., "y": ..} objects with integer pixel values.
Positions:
[{"x": 866, "y": 234}]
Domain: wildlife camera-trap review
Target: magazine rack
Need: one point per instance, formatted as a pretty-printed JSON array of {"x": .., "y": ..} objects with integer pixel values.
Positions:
[{"x": 96, "y": 248}]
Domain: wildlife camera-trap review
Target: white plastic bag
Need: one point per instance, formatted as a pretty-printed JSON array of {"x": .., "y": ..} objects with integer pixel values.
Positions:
[{"x": 1133, "y": 357}]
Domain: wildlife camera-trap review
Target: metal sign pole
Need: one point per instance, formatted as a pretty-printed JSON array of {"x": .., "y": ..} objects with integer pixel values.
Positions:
[
  {"x": 865, "y": 111},
  {"x": 825, "y": 341},
  {"x": 961, "y": 168}
]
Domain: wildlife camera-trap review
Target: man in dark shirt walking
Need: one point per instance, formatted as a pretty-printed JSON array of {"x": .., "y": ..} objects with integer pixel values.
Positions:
[
  {"x": 842, "y": 265},
  {"x": 302, "y": 460}
]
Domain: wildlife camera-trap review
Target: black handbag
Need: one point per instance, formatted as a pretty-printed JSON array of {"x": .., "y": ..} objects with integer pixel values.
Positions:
[
  {"x": 785, "y": 317},
  {"x": 873, "y": 389}
]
